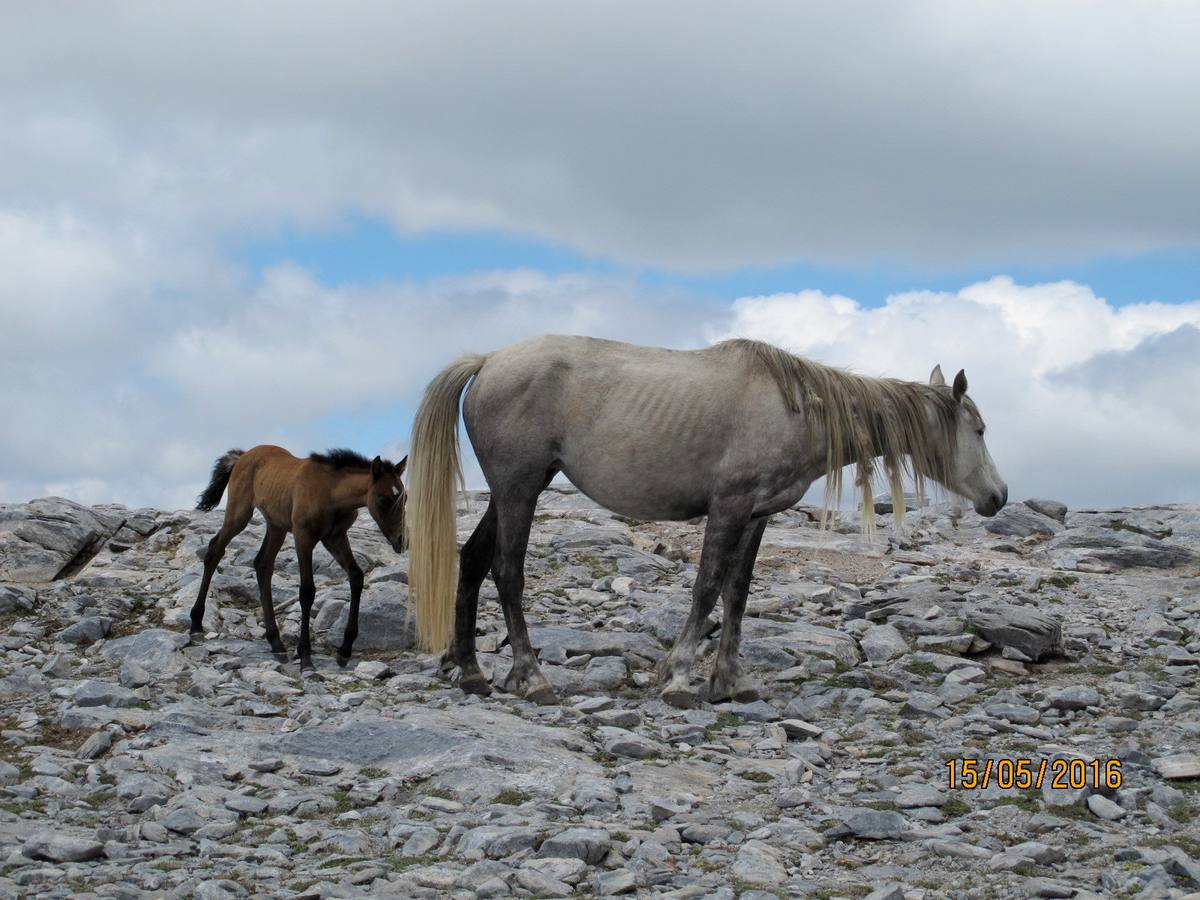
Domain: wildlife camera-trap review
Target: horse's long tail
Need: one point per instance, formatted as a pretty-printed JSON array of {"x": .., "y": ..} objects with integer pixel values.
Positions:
[
  {"x": 220, "y": 478},
  {"x": 434, "y": 472}
]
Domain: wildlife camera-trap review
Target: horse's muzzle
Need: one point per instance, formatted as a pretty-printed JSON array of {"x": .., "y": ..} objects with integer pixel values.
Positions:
[{"x": 994, "y": 503}]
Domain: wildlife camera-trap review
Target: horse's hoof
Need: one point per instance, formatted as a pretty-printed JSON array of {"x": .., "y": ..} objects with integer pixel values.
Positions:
[
  {"x": 679, "y": 697},
  {"x": 342, "y": 660},
  {"x": 745, "y": 693},
  {"x": 280, "y": 655},
  {"x": 542, "y": 695},
  {"x": 446, "y": 664},
  {"x": 475, "y": 685}
]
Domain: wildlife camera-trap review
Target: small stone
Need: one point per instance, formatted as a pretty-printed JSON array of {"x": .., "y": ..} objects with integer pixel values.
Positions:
[
  {"x": 798, "y": 729},
  {"x": 758, "y": 862},
  {"x": 1105, "y": 808},
  {"x": 871, "y": 824},
  {"x": 95, "y": 746},
  {"x": 372, "y": 670},
  {"x": 883, "y": 642},
  {"x": 245, "y": 804},
  {"x": 1075, "y": 697},
  {"x": 87, "y": 630},
  {"x": 588, "y": 844},
  {"x": 183, "y": 821},
  {"x": 617, "y": 881}
]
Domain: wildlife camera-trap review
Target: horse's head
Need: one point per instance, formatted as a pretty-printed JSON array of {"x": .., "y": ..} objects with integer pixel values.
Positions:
[
  {"x": 970, "y": 471},
  {"x": 386, "y": 500}
]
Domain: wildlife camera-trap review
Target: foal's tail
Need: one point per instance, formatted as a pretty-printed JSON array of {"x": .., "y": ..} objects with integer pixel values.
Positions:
[
  {"x": 220, "y": 478},
  {"x": 434, "y": 472}
]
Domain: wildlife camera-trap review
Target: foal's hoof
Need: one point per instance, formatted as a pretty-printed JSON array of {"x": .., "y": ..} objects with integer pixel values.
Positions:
[
  {"x": 679, "y": 697},
  {"x": 542, "y": 695},
  {"x": 740, "y": 693},
  {"x": 342, "y": 660},
  {"x": 280, "y": 655}
]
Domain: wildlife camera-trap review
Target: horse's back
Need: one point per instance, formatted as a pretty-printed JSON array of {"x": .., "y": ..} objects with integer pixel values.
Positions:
[
  {"x": 639, "y": 429},
  {"x": 266, "y": 474}
]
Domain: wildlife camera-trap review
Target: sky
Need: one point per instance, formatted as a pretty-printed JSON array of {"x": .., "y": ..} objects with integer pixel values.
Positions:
[{"x": 227, "y": 224}]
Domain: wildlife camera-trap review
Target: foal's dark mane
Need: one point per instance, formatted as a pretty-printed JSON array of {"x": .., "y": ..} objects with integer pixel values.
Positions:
[{"x": 340, "y": 459}]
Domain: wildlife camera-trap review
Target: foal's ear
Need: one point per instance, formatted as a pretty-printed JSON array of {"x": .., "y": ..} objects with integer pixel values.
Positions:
[
  {"x": 936, "y": 378},
  {"x": 400, "y": 466},
  {"x": 960, "y": 385},
  {"x": 377, "y": 468}
]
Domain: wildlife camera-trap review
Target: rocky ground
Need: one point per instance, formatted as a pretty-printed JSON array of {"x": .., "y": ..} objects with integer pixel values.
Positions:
[{"x": 133, "y": 762}]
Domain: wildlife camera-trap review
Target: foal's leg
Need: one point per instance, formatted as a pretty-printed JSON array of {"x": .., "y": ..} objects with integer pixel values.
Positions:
[
  {"x": 264, "y": 569},
  {"x": 726, "y": 683},
  {"x": 473, "y": 565},
  {"x": 237, "y": 517},
  {"x": 339, "y": 549},
  {"x": 304, "y": 552},
  {"x": 726, "y": 523},
  {"x": 514, "y": 519}
]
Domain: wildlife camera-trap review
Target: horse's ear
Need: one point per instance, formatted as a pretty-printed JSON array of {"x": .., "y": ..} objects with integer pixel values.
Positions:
[
  {"x": 377, "y": 468},
  {"x": 936, "y": 378},
  {"x": 960, "y": 385},
  {"x": 400, "y": 466}
]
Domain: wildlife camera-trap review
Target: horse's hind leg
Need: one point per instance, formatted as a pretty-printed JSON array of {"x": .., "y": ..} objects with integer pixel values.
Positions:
[
  {"x": 514, "y": 519},
  {"x": 264, "y": 569},
  {"x": 339, "y": 549},
  {"x": 304, "y": 553},
  {"x": 237, "y": 517},
  {"x": 727, "y": 522},
  {"x": 726, "y": 682},
  {"x": 474, "y": 562}
]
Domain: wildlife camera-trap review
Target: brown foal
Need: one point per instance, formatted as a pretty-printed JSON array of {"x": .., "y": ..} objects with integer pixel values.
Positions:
[{"x": 317, "y": 499}]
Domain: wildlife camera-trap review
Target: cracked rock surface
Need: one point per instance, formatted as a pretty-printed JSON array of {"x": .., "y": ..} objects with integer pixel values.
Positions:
[{"x": 136, "y": 762}]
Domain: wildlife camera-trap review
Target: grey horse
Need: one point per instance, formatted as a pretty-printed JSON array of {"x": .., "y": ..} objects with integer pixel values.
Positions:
[{"x": 734, "y": 432}]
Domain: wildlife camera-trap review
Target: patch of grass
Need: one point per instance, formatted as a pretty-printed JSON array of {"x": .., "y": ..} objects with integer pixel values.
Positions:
[
  {"x": 758, "y": 777},
  {"x": 510, "y": 797},
  {"x": 373, "y": 772},
  {"x": 400, "y": 863},
  {"x": 1061, "y": 581},
  {"x": 1183, "y": 812},
  {"x": 1188, "y": 844},
  {"x": 54, "y": 735},
  {"x": 914, "y": 736},
  {"x": 955, "y": 807},
  {"x": 920, "y": 667},
  {"x": 440, "y": 793},
  {"x": 619, "y": 836},
  {"x": 1187, "y": 785},
  {"x": 599, "y": 567},
  {"x": 1028, "y": 800},
  {"x": 99, "y": 798}
]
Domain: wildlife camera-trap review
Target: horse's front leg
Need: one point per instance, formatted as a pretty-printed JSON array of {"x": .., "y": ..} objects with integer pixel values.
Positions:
[
  {"x": 264, "y": 570},
  {"x": 726, "y": 682},
  {"x": 308, "y": 591},
  {"x": 339, "y": 548},
  {"x": 727, "y": 522}
]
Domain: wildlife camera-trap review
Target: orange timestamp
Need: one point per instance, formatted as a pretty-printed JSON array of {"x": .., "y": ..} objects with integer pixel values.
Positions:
[{"x": 1063, "y": 774}]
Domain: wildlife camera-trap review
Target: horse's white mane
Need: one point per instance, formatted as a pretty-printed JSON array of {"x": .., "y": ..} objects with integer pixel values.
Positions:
[{"x": 910, "y": 426}]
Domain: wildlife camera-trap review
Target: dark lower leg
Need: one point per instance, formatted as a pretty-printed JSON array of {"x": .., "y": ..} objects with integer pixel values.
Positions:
[
  {"x": 264, "y": 570},
  {"x": 339, "y": 548},
  {"x": 726, "y": 682},
  {"x": 722, "y": 535},
  {"x": 216, "y": 549},
  {"x": 474, "y": 562},
  {"x": 304, "y": 551},
  {"x": 508, "y": 569}
]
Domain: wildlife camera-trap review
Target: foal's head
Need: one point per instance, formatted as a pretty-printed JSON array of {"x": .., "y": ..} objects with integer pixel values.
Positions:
[
  {"x": 970, "y": 472},
  {"x": 385, "y": 501}
]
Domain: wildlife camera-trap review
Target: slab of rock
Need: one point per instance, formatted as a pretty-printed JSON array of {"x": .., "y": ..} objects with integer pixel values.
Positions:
[
  {"x": 883, "y": 642},
  {"x": 872, "y": 825},
  {"x": 1118, "y": 548},
  {"x": 1178, "y": 765},
  {"x": 91, "y": 692},
  {"x": 1051, "y": 508},
  {"x": 39, "y": 539},
  {"x": 1034, "y": 634},
  {"x": 155, "y": 650},
  {"x": 383, "y": 620},
  {"x": 588, "y": 844},
  {"x": 757, "y": 862},
  {"x": 1019, "y": 520},
  {"x": 59, "y": 847},
  {"x": 620, "y": 742},
  {"x": 87, "y": 630},
  {"x": 1076, "y": 696}
]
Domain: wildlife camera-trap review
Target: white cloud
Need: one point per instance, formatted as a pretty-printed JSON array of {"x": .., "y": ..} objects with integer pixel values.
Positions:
[
  {"x": 689, "y": 136},
  {"x": 1085, "y": 402}
]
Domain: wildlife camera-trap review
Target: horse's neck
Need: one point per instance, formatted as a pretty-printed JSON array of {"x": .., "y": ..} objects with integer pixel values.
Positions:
[{"x": 350, "y": 490}]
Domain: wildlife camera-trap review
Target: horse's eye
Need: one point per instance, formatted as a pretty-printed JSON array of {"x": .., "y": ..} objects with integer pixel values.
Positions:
[{"x": 980, "y": 432}]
